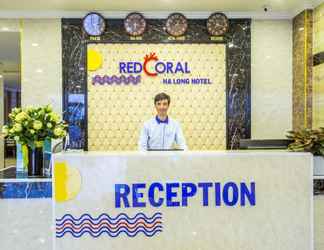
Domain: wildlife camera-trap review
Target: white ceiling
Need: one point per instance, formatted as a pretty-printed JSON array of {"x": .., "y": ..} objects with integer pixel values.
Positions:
[
  {"x": 149, "y": 5},
  {"x": 44, "y": 7}
]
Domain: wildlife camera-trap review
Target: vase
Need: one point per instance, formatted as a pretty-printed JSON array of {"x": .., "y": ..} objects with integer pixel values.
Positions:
[{"x": 35, "y": 159}]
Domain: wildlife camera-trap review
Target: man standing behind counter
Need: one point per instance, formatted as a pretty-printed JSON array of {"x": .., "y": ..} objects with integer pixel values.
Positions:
[{"x": 161, "y": 132}]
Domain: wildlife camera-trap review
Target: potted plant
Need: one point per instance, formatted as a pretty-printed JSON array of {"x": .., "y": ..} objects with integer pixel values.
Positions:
[
  {"x": 309, "y": 140},
  {"x": 30, "y": 127}
]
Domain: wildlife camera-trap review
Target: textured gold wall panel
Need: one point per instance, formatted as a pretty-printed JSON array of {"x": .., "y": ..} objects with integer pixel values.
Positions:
[
  {"x": 116, "y": 113},
  {"x": 302, "y": 69}
]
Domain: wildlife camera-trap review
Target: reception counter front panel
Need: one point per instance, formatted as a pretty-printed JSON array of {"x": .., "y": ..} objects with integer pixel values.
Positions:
[{"x": 183, "y": 200}]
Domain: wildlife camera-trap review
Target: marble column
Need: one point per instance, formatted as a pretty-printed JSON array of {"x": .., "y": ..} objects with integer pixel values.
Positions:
[{"x": 302, "y": 70}]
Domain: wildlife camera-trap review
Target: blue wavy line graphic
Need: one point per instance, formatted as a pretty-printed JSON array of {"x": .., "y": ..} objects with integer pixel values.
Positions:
[
  {"x": 106, "y": 217},
  {"x": 105, "y": 79},
  {"x": 87, "y": 224},
  {"x": 111, "y": 218},
  {"x": 111, "y": 235},
  {"x": 111, "y": 223},
  {"x": 86, "y": 228}
]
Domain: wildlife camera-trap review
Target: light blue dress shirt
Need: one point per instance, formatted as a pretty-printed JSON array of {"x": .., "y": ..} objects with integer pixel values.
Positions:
[{"x": 157, "y": 134}]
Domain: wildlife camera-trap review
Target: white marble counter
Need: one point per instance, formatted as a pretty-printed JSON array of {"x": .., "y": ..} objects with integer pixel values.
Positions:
[
  {"x": 189, "y": 200},
  {"x": 211, "y": 200}
]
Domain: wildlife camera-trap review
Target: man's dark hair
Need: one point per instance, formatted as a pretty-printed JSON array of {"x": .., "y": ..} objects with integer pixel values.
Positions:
[{"x": 160, "y": 97}]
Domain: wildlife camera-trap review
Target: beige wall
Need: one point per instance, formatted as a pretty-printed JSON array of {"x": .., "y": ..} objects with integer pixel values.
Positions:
[
  {"x": 318, "y": 71},
  {"x": 318, "y": 113},
  {"x": 318, "y": 29},
  {"x": 41, "y": 65},
  {"x": 319, "y": 222},
  {"x": 271, "y": 78}
]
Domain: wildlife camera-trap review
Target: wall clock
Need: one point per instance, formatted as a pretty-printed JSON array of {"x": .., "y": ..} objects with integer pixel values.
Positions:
[
  {"x": 217, "y": 24},
  {"x": 94, "y": 24},
  {"x": 135, "y": 24},
  {"x": 176, "y": 24}
]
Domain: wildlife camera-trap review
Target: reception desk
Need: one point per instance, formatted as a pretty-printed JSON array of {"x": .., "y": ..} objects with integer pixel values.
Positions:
[
  {"x": 184, "y": 200},
  {"x": 171, "y": 200}
]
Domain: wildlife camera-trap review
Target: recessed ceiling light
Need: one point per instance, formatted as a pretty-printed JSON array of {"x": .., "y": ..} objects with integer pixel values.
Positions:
[
  {"x": 4, "y": 29},
  {"x": 34, "y": 44},
  {"x": 1, "y": 76},
  {"x": 39, "y": 70}
]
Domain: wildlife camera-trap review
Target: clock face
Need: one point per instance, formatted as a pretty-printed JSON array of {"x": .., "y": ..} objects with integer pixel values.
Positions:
[
  {"x": 135, "y": 24},
  {"x": 176, "y": 24},
  {"x": 217, "y": 24},
  {"x": 94, "y": 24}
]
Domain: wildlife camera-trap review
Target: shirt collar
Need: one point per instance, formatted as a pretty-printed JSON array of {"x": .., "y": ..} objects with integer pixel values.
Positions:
[{"x": 160, "y": 121}]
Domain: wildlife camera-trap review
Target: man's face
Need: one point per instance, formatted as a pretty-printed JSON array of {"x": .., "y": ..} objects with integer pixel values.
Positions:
[{"x": 162, "y": 107}]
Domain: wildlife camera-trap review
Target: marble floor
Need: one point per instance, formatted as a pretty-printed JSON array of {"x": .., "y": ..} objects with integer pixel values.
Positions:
[{"x": 8, "y": 173}]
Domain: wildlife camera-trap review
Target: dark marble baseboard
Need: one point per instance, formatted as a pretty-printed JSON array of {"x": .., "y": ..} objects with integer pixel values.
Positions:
[{"x": 319, "y": 187}]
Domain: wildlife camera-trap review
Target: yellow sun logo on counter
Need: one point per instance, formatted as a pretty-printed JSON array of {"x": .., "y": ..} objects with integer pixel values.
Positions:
[
  {"x": 67, "y": 182},
  {"x": 94, "y": 60}
]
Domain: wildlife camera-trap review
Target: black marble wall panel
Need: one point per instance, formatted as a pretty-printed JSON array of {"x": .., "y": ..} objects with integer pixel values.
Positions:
[
  {"x": 238, "y": 65},
  {"x": 238, "y": 103},
  {"x": 74, "y": 81}
]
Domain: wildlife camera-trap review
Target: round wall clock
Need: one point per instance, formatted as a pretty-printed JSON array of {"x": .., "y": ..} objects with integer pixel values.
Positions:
[
  {"x": 217, "y": 24},
  {"x": 176, "y": 24},
  {"x": 135, "y": 24},
  {"x": 94, "y": 24}
]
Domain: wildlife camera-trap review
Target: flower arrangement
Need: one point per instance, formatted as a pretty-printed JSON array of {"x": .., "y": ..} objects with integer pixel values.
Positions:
[{"x": 31, "y": 126}]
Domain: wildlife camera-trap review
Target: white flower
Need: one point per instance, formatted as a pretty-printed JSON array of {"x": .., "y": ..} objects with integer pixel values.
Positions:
[
  {"x": 21, "y": 116},
  {"x": 17, "y": 127},
  {"x": 49, "y": 125},
  {"x": 16, "y": 110},
  {"x": 58, "y": 131},
  {"x": 16, "y": 138},
  {"x": 48, "y": 108},
  {"x": 54, "y": 117},
  {"x": 37, "y": 125},
  {"x": 29, "y": 109},
  {"x": 32, "y": 131}
]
